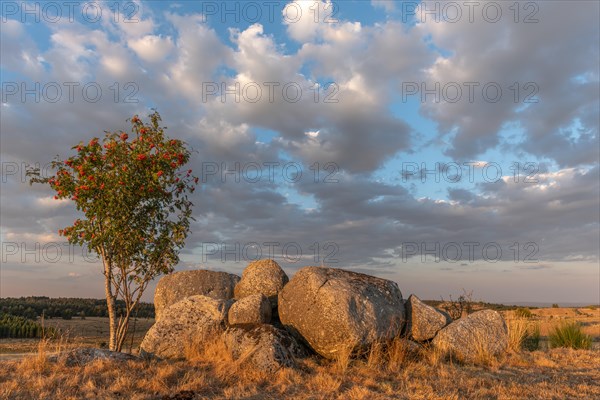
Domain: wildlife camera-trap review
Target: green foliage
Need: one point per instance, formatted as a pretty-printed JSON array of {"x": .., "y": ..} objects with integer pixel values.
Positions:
[
  {"x": 133, "y": 194},
  {"x": 569, "y": 334},
  {"x": 12, "y": 326},
  {"x": 531, "y": 341},
  {"x": 555, "y": 305},
  {"x": 523, "y": 312},
  {"x": 38, "y": 306}
]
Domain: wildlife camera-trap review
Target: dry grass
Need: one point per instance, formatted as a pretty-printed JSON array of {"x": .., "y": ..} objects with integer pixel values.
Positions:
[
  {"x": 387, "y": 371},
  {"x": 517, "y": 333},
  {"x": 548, "y": 318}
]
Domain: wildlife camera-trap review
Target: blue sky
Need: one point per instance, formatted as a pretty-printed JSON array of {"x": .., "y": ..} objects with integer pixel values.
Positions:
[{"x": 522, "y": 135}]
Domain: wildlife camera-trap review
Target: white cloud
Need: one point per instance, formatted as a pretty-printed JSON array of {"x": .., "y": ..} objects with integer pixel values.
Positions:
[{"x": 152, "y": 48}]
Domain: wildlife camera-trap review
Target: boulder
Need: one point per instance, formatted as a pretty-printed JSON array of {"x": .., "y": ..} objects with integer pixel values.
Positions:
[
  {"x": 262, "y": 276},
  {"x": 263, "y": 346},
  {"x": 179, "y": 285},
  {"x": 184, "y": 323},
  {"x": 84, "y": 356},
  {"x": 334, "y": 310},
  {"x": 477, "y": 335},
  {"x": 253, "y": 309},
  {"x": 423, "y": 321}
]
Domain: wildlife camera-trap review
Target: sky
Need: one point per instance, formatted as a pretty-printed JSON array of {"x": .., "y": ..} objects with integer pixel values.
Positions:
[{"x": 442, "y": 145}]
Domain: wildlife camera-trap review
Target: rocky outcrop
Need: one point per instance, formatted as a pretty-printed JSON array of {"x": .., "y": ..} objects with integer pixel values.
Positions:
[
  {"x": 263, "y": 346},
  {"x": 478, "y": 335},
  {"x": 254, "y": 309},
  {"x": 262, "y": 277},
  {"x": 273, "y": 321},
  {"x": 184, "y": 323},
  {"x": 423, "y": 322},
  {"x": 334, "y": 310},
  {"x": 179, "y": 285}
]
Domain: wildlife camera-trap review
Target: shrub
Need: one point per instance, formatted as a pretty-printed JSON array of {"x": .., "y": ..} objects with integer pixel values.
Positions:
[
  {"x": 523, "y": 312},
  {"x": 569, "y": 334},
  {"x": 555, "y": 305},
  {"x": 462, "y": 305}
]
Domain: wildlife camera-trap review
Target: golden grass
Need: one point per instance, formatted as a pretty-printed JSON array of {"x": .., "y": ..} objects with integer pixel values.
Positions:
[
  {"x": 517, "y": 333},
  {"x": 388, "y": 370},
  {"x": 558, "y": 373},
  {"x": 549, "y": 317}
]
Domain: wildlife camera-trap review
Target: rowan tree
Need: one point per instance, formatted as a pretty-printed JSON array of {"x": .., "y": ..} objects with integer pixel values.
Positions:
[{"x": 132, "y": 191}]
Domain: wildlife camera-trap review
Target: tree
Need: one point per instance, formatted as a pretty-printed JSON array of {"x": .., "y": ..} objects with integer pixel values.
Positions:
[{"x": 133, "y": 194}]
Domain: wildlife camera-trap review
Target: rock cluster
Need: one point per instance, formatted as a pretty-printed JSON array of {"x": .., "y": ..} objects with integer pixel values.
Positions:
[{"x": 269, "y": 321}]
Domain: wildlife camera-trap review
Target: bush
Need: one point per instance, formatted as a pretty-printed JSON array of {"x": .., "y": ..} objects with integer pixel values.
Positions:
[
  {"x": 569, "y": 334},
  {"x": 523, "y": 312},
  {"x": 555, "y": 305}
]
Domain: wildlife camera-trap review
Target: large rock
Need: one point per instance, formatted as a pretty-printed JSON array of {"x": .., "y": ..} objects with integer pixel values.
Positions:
[
  {"x": 474, "y": 337},
  {"x": 179, "y": 285},
  {"x": 262, "y": 277},
  {"x": 334, "y": 310},
  {"x": 423, "y": 321},
  {"x": 86, "y": 355},
  {"x": 184, "y": 323},
  {"x": 263, "y": 346},
  {"x": 253, "y": 309}
]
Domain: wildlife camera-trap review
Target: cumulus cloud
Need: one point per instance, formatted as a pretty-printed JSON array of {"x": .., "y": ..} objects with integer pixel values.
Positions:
[
  {"x": 537, "y": 59},
  {"x": 201, "y": 81}
]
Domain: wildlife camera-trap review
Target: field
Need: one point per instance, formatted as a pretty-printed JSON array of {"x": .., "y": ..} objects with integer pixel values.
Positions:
[
  {"x": 543, "y": 374},
  {"x": 91, "y": 331}
]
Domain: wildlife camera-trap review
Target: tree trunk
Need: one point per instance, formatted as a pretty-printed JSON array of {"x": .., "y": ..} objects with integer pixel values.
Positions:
[
  {"x": 122, "y": 332},
  {"x": 112, "y": 308}
]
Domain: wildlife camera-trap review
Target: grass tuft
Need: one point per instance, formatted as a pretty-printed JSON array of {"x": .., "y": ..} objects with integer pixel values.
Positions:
[{"x": 570, "y": 335}]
